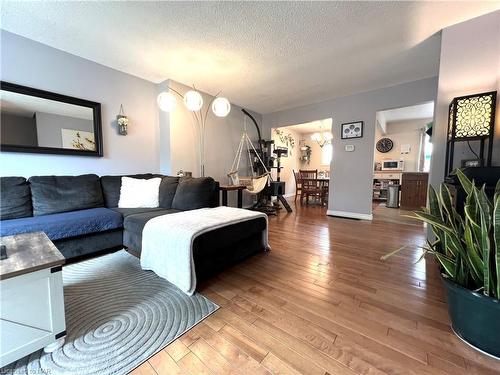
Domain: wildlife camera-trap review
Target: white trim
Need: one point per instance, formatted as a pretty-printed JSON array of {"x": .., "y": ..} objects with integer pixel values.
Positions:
[
  {"x": 350, "y": 215},
  {"x": 289, "y": 195}
]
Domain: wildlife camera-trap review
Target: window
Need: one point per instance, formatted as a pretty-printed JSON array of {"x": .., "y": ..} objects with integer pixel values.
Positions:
[
  {"x": 326, "y": 154},
  {"x": 427, "y": 153}
]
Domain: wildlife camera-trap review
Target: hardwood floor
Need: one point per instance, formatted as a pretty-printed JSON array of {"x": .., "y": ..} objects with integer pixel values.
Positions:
[
  {"x": 394, "y": 215},
  {"x": 322, "y": 302}
]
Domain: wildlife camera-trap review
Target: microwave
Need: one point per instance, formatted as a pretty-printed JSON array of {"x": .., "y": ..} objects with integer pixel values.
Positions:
[{"x": 393, "y": 165}]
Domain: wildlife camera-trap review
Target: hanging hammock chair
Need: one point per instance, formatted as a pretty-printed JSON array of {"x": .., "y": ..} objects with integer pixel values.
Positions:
[{"x": 254, "y": 184}]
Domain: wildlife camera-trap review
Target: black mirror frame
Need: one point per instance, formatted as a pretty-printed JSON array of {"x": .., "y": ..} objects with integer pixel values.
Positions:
[{"x": 96, "y": 107}]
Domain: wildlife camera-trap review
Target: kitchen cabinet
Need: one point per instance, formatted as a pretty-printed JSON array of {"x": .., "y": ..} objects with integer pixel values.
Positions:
[{"x": 414, "y": 190}]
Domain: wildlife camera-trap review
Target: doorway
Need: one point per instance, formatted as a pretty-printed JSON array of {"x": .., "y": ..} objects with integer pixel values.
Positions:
[
  {"x": 309, "y": 148},
  {"x": 402, "y": 156}
]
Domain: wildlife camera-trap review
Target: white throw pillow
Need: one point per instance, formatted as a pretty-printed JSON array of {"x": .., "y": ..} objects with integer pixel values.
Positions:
[{"x": 139, "y": 193}]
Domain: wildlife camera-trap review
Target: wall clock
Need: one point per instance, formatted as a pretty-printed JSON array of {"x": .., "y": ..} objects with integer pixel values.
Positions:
[{"x": 384, "y": 145}]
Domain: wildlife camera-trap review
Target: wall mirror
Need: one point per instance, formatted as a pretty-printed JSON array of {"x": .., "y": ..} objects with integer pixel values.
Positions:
[{"x": 38, "y": 121}]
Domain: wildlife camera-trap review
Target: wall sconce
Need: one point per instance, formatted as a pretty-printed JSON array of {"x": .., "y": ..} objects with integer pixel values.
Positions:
[
  {"x": 122, "y": 121},
  {"x": 471, "y": 118}
]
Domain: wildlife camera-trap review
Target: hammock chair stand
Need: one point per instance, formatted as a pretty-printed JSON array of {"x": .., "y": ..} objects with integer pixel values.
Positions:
[
  {"x": 260, "y": 182},
  {"x": 254, "y": 184}
]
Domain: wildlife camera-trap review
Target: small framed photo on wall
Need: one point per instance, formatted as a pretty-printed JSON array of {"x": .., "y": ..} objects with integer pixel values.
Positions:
[{"x": 351, "y": 130}]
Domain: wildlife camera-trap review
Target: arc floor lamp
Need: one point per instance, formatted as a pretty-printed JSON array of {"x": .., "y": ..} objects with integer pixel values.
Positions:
[{"x": 193, "y": 101}]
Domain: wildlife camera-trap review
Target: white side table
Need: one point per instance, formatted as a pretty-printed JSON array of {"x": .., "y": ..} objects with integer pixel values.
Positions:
[{"x": 31, "y": 297}]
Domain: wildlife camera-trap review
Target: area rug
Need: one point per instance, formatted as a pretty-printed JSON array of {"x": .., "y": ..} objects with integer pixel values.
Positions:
[{"x": 117, "y": 316}]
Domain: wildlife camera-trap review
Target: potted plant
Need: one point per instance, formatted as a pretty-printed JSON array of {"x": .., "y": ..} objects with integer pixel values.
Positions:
[{"x": 467, "y": 248}]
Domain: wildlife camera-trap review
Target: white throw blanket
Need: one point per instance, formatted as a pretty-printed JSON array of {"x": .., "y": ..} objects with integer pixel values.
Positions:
[{"x": 167, "y": 241}]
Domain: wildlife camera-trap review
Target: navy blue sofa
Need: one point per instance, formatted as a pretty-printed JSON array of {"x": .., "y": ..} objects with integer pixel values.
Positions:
[{"x": 80, "y": 215}]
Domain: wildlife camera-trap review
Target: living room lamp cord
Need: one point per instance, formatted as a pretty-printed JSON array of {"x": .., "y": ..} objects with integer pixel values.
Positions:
[{"x": 470, "y": 147}]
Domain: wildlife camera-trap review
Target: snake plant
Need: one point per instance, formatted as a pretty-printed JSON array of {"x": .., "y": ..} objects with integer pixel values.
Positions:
[{"x": 466, "y": 246}]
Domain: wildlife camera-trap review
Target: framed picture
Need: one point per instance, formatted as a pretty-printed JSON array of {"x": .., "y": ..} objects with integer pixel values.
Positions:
[
  {"x": 78, "y": 140},
  {"x": 352, "y": 130}
]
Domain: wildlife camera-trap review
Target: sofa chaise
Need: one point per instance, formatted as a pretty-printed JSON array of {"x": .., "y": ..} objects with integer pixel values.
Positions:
[{"x": 80, "y": 215}]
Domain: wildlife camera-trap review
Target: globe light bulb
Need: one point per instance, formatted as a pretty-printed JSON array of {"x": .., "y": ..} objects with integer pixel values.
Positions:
[
  {"x": 166, "y": 101},
  {"x": 193, "y": 100},
  {"x": 221, "y": 107}
]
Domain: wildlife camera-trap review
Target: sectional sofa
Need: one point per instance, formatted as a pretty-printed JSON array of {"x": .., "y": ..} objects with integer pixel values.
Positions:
[{"x": 80, "y": 215}]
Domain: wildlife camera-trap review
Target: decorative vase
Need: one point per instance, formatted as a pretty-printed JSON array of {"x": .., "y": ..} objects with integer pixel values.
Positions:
[
  {"x": 475, "y": 318},
  {"x": 122, "y": 121},
  {"x": 122, "y": 124}
]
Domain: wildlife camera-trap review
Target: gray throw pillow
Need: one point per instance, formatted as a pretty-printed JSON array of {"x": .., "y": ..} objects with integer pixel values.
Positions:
[
  {"x": 193, "y": 193},
  {"x": 53, "y": 194},
  {"x": 15, "y": 198},
  {"x": 168, "y": 188}
]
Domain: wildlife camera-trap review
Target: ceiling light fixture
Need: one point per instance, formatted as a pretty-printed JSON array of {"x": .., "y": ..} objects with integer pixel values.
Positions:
[{"x": 322, "y": 138}]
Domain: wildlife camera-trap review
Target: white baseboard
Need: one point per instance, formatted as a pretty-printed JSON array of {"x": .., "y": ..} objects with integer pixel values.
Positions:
[{"x": 350, "y": 215}]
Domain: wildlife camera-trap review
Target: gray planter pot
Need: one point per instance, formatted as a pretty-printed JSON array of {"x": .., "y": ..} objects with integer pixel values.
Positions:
[{"x": 475, "y": 318}]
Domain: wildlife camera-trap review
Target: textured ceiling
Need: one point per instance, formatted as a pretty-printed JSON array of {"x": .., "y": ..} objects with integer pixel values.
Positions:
[
  {"x": 266, "y": 56},
  {"x": 414, "y": 112}
]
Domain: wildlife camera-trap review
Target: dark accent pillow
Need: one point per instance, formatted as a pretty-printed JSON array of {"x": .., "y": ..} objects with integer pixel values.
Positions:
[
  {"x": 193, "y": 193},
  {"x": 168, "y": 188},
  {"x": 53, "y": 194},
  {"x": 111, "y": 186},
  {"x": 15, "y": 198}
]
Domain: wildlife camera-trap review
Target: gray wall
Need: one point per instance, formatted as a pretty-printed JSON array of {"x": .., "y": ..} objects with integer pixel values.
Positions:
[
  {"x": 17, "y": 130},
  {"x": 49, "y": 128},
  {"x": 351, "y": 188},
  {"x": 28, "y": 63}
]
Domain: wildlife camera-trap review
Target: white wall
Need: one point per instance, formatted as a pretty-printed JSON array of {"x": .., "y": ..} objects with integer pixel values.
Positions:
[
  {"x": 316, "y": 154},
  {"x": 33, "y": 64},
  {"x": 222, "y": 136},
  {"x": 469, "y": 64},
  {"x": 178, "y": 146},
  {"x": 381, "y": 122},
  {"x": 290, "y": 163},
  {"x": 403, "y": 132},
  {"x": 350, "y": 191}
]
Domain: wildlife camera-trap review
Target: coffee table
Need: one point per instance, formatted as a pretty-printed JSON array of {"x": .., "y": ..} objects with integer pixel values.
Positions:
[{"x": 31, "y": 297}]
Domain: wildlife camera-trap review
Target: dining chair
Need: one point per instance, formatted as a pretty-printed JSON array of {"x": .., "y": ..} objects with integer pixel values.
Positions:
[
  {"x": 298, "y": 184},
  {"x": 309, "y": 181}
]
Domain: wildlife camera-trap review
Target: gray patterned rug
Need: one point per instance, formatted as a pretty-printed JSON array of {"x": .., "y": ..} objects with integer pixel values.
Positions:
[{"x": 117, "y": 316}]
